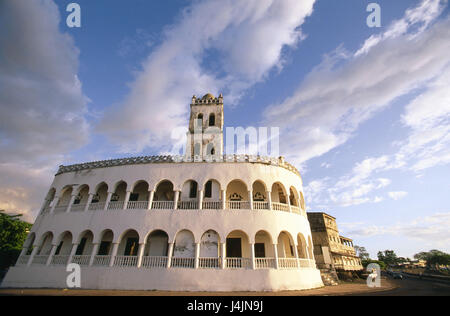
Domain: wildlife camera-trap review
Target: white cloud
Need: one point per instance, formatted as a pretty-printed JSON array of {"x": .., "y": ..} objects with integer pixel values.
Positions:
[
  {"x": 247, "y": 36},
  {"x": 346, "y": 90},
  {"x": 397, "y": 195},
  {"x": 432, "y": 230},
  {"x": 42, "y": 106}
]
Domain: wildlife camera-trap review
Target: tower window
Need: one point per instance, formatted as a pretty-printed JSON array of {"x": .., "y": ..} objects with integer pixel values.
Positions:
[
  {"x": 212, "y": 120},
  {"x": 208, "y": 189},
  {"x": 193, "y": 190}
]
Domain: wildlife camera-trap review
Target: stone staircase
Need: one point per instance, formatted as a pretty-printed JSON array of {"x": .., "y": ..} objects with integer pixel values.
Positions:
[{"x": 329, "y": 277}]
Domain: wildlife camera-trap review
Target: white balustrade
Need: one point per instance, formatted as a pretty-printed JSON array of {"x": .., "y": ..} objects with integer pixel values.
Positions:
[
  {"x": 22, "y": 260},
  {"x": 280, "y": 207},
  {"x": 259, "y": 205},
  {"x": 59, "y": 259},
  {"x": 125, "y": 261},
  {"x": 287, "y": 263},
  {"x": 295, "y": 209},
  {"x": 238, "y": 263},
  {"x": 264, "y": 263},
  {"x": 240, "y": 205},
  {"x": 187, "y": 205},
  {"x": 40, "y": 259},
  {"x": 212, "y": 205},
  {"x": 154, "y": 262},
  {"x": 82, "y": 260},
  {"x": 115, "y": 205},
  {"x": 60, "y": 209},
  {"x": 162, "y": 205},
  {"x": 101, "y": 260},
  {"x": 137, "y": 205},
  {"x": 209, "y": 263},
  {"x": 77, "y": 207},
  {"x": 96, "y": 206},
  {"x": 178, "y": 262}
]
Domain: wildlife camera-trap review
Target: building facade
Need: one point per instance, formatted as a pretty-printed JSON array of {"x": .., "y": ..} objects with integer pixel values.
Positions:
[
  {"x": 203, "y": 221},
  {"x": 332, "y": 250}
]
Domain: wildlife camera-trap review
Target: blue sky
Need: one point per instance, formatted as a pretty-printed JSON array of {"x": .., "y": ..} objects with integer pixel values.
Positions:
[{"x": 363, "y": 112}]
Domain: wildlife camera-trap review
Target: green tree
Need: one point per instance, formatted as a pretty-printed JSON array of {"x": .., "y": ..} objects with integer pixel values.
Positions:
[
  {"x": 362, "y": 253},
  {"x": 388, "y": 257},
  {"x": 13, "y": 232},
  {"x": 434, "y": 258}
]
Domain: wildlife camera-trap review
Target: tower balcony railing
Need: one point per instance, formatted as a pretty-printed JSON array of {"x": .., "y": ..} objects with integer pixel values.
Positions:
[
  {"x": 23, "y": 260},
  {"x": 280, "y": 207},
  {"x": 77, "y": 207},
  {"x": 96, "y": 206},
  {"x": 125, "y": 261},
  {"x": 238, "y": 263},
  {"x": 212, "y": 205},
  {"x": 260, "y": 205},
  {"x": 162, "y": 205},
  {"x": 178, "y": 262},
  {"x": 115, "y": 205},
  {"x": 100, "y": 260},
  {"x": 187, "y": 205},
  {"x": 40, "y": 259},
  {"x": 154, "y": 262},
  {"x": 60, "y": 208},
  {"x": 238, "y": 205},
  {"x": 287, "y": 263},
  {"x": 209, "y": 262},
  {"x": 265, "y": 263},
  {"x": 137, "y": 205},
  {"x": 60, "y": 260},
  {"x": 82, "y": 260}
]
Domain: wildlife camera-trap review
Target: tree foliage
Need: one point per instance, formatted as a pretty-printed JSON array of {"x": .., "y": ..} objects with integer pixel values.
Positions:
[
  {"x": 434, "y": 257},
  {"x": 362, "y": 253},
  {"x": 388, "y": 257},
  {"x": 13, "y": 232}
]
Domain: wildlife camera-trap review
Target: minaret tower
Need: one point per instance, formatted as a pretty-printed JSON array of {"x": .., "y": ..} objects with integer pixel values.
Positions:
[{"x": 205, "y": 134}]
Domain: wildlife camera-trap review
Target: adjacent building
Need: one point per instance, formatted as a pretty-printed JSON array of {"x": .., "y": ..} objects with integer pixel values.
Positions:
[{"x": 331, "y": 250}]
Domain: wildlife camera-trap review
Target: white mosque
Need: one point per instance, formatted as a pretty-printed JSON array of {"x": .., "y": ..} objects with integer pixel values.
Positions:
[{"x": 204, "y": 221}]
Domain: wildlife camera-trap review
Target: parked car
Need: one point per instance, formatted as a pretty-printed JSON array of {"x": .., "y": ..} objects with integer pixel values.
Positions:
[{"x": 397, "y": 275}]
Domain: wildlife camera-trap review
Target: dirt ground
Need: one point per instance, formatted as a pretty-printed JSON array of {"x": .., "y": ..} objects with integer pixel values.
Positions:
[{"x": 357, "y": 288}]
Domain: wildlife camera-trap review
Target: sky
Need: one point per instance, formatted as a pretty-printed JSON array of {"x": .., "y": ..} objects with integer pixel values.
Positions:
[{"x": 363, "y": 112}]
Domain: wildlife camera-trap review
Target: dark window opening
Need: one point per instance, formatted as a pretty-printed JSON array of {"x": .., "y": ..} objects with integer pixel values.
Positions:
[
  {"x": 104, "y": 248},
  {"x": 134, "y": 197},
  {"x": 80, "y": 247},
  {"x": 212, "y": 120},
  {"x": 208, "y": 189},
  {"x": 193, "y": 190},
  {"x": 131, "y": 248},
  {"x": 59, "y": 248},
  {"x": 260, "y": 250}
]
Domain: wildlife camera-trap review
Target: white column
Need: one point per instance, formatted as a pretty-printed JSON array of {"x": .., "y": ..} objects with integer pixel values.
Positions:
[
  {"x": 197, "y": 255},
  {"x": 252, "y": 248},
  {"x": 200, "y": 199},
  {"x": 223, "y": 253},
  {"x": 33, "y": 253},
  {"x": 175, "y": 199},
  {"x": 224, "y": 199},
  {"x": 72, "y": 199},
  {"x": 114, "y": 253},
  {"x": 55, "y": 202},
  {"x": 169, "y": 255},
  {"x": 296, "y": 255},
  {"x": 269, "y": 199},
  {"x": 250, "y": 198},
  {"x": 150, "y": 199},
  {"x": 125, "y": 202},
  {"x": 52, "y": 253},
  {"x": 108, "y": 198},
  {"x": 140, "y": 254},
  {"x": 89, "y": 200},
  {"x": 93, "y": 253},
  {"x": 72, "y": 252},
  {"x": 275, "y": 253}
]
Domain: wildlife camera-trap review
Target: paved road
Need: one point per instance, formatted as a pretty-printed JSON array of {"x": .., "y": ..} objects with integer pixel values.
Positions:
[{"x": 413, "y": 286}]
